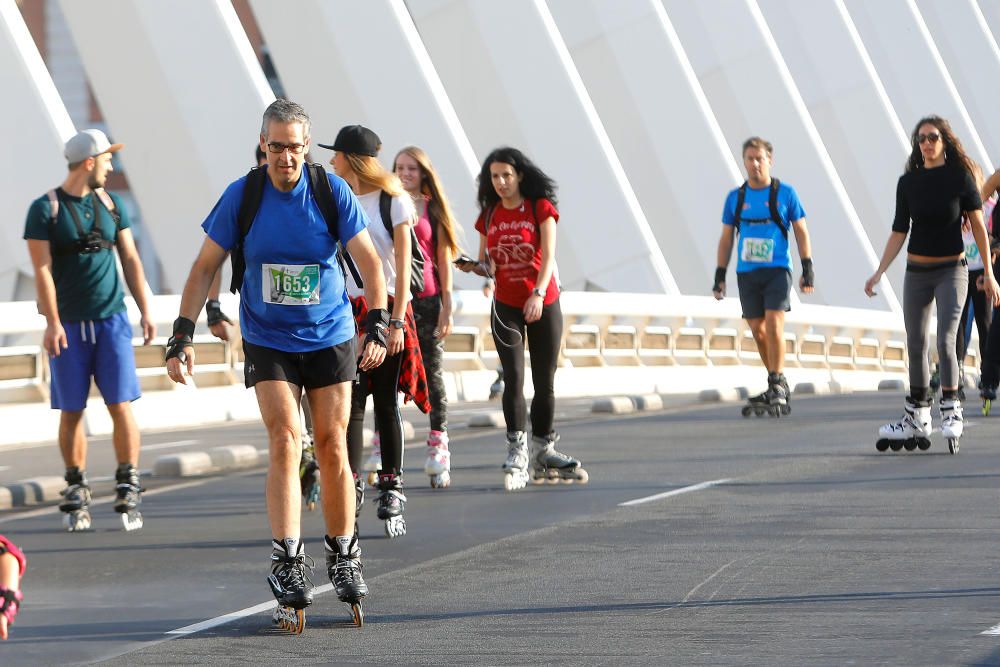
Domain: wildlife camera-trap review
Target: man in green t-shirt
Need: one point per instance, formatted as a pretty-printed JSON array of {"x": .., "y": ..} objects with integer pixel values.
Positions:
[{"x": 72, "y": 233}]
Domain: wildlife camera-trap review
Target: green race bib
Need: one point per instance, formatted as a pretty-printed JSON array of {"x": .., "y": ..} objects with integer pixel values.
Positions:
[
  {"x": 290, "y": 285},
  {"x": 757, "y": 250}
]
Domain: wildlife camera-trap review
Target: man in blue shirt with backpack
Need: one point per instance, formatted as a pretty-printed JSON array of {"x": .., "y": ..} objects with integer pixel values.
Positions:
[
  {"x": 285, "y": 225},
  {"x": 760, "y": 214}
]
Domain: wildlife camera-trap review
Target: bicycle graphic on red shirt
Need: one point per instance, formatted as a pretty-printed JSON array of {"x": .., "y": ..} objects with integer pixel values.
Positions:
[{"x": 512, "y": 250}]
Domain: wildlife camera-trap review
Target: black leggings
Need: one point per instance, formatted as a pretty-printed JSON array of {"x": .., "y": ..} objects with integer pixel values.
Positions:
[
  {"x": 544, "y": 339},
  {"x": 982, "y": 310},
  {"x": 425, "y": 314},
  {"x": 384, "y": 387}
]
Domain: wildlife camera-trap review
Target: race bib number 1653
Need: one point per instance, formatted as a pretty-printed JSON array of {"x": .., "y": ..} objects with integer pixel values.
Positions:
[{"x": 290, "y": 285}]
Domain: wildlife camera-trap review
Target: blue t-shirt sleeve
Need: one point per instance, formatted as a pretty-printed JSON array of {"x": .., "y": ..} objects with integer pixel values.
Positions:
[
  {"x": 729, "y": 209},
  {"x": 351, "y": 218},
  {"x": 221, "y": 225},
  {"x": 794, "y": 209},
  {"x": 36, "y": 226},
  {"x": 124, "y": 222}
]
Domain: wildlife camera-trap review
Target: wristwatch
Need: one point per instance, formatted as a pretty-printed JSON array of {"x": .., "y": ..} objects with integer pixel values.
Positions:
[
  {"x": 397, "y": 324},
  {"x": 537, "y": 292}
]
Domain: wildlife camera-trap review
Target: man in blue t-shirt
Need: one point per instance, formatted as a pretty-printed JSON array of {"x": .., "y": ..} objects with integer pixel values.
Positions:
[
  {"x": 72, "y": 233},
  {"x": 759, "y": 214},
  {"x": 298, "y": 334}
]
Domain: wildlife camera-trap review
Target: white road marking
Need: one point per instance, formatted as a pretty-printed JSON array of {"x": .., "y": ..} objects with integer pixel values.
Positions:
[
  {"x": 168, "y": 445},
  {"x": 2, "y": 468},
  {"x": 675, "y": 492},
  {"x": 994, "y": 631},
  {"x": 236, "y": 615}
]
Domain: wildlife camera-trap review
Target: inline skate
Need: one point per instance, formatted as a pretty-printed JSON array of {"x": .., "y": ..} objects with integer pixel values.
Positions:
[
  {"x": 390, "y": 504},
  {"x": 438, "y": 463},
  {"x": 772, "y": 401},
  {"x": 913, "y": 429},
  {"x": 290, "y": 584},
  {"x": 951, "y": 422},
  {"x": 550, "y": 465},
  {"x": 129, "y": 496},
  {"x": 343, "y": 566},
  {"x": 515, "y": 468},
  {"x": 373, "y": 464},
  {"x": 76, "y": 501}
]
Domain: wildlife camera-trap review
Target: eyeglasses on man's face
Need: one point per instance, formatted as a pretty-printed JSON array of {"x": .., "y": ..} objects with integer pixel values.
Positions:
[{"x": 278, "y": 147}]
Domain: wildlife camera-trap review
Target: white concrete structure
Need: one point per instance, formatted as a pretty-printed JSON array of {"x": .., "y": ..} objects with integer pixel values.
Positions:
[
  {"x": 752, "y": 93},
  {"x": 37, "y": 127},
  {"x": 662, "y": 127},
  {"x": 398, "y": 94},
  {"x": 186, "y": 97},
  {"x": 848, "y": 104},
  {"x": 512, "y": 82},
  {"x": 972, "y": 57},
  {"x": 910, "y": 66}
]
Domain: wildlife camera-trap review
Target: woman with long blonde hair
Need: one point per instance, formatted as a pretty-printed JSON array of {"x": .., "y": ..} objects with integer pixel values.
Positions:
[
  {"x": 356, "y": 161},
  {"x": 436, "y": 232}
]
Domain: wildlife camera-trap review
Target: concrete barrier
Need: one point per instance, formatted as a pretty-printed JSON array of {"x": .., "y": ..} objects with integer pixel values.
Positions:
[
  {"x": 492, "y": 419},
  {"x": 616, "y": 405},
  {"x": 186, "y": 464},
  {"x": 234, "y": 457}
]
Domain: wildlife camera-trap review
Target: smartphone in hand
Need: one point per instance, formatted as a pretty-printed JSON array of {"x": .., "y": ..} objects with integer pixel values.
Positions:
[{"x": 463, "y": 259}]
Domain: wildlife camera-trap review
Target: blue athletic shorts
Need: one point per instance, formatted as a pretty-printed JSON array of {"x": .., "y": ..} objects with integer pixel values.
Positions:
[
  {"x": 101, "y": 349},
  {"x": 764, "y": 289}
]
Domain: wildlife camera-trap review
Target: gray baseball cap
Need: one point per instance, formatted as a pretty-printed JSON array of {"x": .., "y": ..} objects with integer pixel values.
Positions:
[{"x": 88, "y": 143}]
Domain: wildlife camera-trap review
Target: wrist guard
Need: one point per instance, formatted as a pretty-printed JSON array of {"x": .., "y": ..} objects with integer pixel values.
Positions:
[
  {"x": 377, "y": 327},
  {"x": 8, "y": 547},
  {"x": 808, "y": 277},
  {"x": 183, "y": 333},
  {"x": 720, "y": 278},
  {"x": 10, "y": 602},
  {"x": 213, "y": 310}
]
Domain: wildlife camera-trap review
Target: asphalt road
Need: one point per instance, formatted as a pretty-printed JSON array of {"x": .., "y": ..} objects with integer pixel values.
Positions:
[{"x": 788, "y": 542}]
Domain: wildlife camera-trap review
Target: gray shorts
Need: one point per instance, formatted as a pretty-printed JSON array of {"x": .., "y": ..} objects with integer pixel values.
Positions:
[{"x": 764, "y": 289}]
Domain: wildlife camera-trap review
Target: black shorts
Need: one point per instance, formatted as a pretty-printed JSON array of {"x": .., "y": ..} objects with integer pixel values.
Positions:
[
  {"x": 309, "y": 370},
  {"x": 764, "y": 289}
]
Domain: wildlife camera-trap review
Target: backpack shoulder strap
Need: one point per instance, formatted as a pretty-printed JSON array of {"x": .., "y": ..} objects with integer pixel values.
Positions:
[
  {"x": 322, "y": 193},
  {"x": 109, "y": 204},
  {"x": 741, "y": 197},
  {"x": 489, "y": 218},
  {"x": 253, "y": 192},
  {"x": 53, "y": 206},
  {"x": 385, "y": 210},
  {"x": 772, "y": 203}
]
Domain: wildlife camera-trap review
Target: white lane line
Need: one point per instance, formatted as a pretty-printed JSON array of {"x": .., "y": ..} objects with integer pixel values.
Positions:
[
  {"x": 168, "y": 445},
  {"x": 675, "y": 492},
  {"x": 2, "y": 468},
  {"x": 994, "y": 631},
  {"x": 236, "y": 615}
]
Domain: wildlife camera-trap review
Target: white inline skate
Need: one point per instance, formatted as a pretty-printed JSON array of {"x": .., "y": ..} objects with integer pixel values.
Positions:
[
  {"x": 373, "y": 464},
  {"x": 515, "y": 468},
  {"x": 951, "y": 422},
  {"x": 913, "y": 429},
  {"x": 550, "y": 465},
  {"x": 438, "y": 463}
]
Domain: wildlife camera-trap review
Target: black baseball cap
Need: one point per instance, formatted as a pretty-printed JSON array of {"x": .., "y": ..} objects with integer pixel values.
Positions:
[{"x": 356, "y": 139}]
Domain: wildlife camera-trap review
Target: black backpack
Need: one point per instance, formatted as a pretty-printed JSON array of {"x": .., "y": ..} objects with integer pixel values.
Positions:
[
  {"x": 323, "y": 195},
  {"x": 86, "y": 242},
  {"x": 772, "y": 203},
  {"x": 416, "y": 255}
]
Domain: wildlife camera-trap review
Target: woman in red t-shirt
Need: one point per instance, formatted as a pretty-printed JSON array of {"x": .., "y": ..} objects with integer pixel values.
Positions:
[
  {"x": 435, "y": 232},
  {"x": 517, "y": 227}
]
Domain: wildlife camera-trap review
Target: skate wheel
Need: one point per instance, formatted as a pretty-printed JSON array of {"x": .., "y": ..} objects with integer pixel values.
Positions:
[
  {"x": 910, "y": 445},
  {"x": 77, "y": 521},
  {"x": 786, "y": 410},
  {"x": 582, "y": 477},
  {"x": 358, "y": 614},
  {"x": 311, "y": 505},
  {"x": 395, "y": 526},
  {"x": 924, "y": 444},
  {"x": 746, "y": 411},
  {"x": 131, "y": 521},
  {"x": 882, "y": 445},
  {"x": 896, "y": 445},
  {"x": 372, "y": 478},
  {"x": 953, "y": 445},
  {"x": 513, "y": 481}
]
